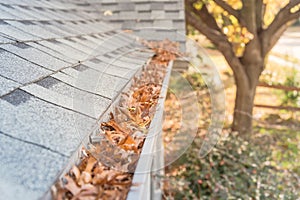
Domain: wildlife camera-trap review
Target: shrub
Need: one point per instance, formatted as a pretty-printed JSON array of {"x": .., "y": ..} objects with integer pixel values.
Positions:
[
  {"x": 235, "y": 169},
  {"x": 291, "y": 97}
]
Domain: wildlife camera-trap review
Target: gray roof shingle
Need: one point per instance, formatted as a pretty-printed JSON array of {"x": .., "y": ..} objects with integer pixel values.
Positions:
[
  {"x": 18, "y": 156},
  {"x": 7, "y": 85},
  {"x": 140, "y": 14},
  {"x": 20, "y": 70},
  {"x": 30, "y": 53}
]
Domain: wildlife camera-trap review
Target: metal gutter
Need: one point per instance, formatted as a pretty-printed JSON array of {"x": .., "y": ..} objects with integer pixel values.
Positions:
[{"x": 151, "y": 161}]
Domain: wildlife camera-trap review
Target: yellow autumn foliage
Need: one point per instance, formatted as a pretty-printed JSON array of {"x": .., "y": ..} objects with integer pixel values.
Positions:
[{"x": 239, "y": 36}]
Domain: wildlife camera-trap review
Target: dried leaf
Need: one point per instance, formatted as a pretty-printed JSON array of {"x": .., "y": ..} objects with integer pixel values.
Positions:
[
  {"x": 71, "y": 185},
  {"x": 75, "y": 171},
  {"x": 88, "y": 191},
  {"x": 100, "y": 179},
  {"x": 90, "y": 164},
  {"x": 84, "y": 178},
  {"x": 129, "y": 144}
]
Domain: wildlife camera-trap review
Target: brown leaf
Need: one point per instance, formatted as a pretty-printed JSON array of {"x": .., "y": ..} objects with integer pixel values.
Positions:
[
  {"x": 98, "y": 169},
  {"x": 129, "y": 144},
  {"x": 90, "y": 164},
  {"x": 100, "y": 179},
  {"x": 122, "y": 179},
  {"x": 112, "y": 125},
  {"x": 75, "y": 171},
  {"x": 117, "y": 139},
  {"x": 71, "y": 185},
  {"x": 112, "y": 175},
  {"x": 84, "y": 178},
  {"x": 88, "y": 192}
]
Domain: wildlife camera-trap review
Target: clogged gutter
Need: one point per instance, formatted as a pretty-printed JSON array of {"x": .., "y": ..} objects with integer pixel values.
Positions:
[{"x": 105, "y": 170}]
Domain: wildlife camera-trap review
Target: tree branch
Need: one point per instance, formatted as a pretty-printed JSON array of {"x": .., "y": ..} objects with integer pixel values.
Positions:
[
  {"x": 282, "y": 18},
  {"x": 221, "y": 42},
  {"x": 227, "y": 8},
  {"x": 292, "y": 4},
  {"x": 231, "y": 11},
  {"x": 209, "y": 32},
  {"x": 204, "y": 14},
  {"x": 248, "y": 13},
  {"x": 276, "y": 36},
  {"x": 284, "y": 15},
  {"x": 260, "y": 10}
]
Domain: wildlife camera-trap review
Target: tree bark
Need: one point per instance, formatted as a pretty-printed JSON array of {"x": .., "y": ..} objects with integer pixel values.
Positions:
[{"x": 244, "y": 100}]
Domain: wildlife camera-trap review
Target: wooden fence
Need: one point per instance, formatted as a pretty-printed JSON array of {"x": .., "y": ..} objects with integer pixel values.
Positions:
[{"x": 279, "y": 87}]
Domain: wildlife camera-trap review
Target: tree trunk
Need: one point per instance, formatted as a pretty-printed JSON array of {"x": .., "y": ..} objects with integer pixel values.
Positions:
[
  {"x": 244, "y": 100},
  {"x": 242, "y": 118}
]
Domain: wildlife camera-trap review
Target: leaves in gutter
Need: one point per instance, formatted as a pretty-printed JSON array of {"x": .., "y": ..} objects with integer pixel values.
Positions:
[{"x": 126, "y": 130}]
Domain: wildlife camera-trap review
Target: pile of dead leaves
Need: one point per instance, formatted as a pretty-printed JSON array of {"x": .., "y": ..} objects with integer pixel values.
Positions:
[
  {"x": 105, "y": 170},
  {"x": 144, "y": 98},
  {"x": 92, "y": 180},
  {"x": 119, "y": 135},
  {"x": 164, "y": 51}
]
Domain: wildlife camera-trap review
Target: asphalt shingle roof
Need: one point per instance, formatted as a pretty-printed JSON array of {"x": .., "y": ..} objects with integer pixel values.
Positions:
[
  {"x": 61, "y": 66},
  {"x": 152, "y": 20}
]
